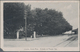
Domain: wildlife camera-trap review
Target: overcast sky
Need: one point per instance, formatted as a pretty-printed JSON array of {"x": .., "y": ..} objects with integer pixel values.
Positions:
[{"x": 69, "y": 9}]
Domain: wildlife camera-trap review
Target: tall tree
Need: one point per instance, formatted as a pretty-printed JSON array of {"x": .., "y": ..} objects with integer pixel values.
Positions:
[
  {"x": 50, "y": 22},
  {"x": 14, "y": 17}
]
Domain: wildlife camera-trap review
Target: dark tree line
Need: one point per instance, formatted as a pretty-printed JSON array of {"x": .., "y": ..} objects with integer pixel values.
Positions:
[
  {"x": 48, "y": 21},
  {"x": 13, "y": 18},
  {"x": 43, "y": 21}
]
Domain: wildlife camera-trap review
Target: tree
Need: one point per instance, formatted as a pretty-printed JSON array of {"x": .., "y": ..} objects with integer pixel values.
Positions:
[
  {"x": 14, "y": 18},
  {"x": 43, "y": 21},
  {"x": 50, "y": 22}
]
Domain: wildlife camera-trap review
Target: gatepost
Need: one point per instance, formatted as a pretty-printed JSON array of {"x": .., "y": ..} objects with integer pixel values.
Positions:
[
  {"x": 18, "y": 32},
  {"x": 33, "y": 35}
]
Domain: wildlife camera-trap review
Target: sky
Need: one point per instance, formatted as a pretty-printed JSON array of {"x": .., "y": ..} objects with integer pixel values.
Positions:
[{"x": 69, "y": 9}]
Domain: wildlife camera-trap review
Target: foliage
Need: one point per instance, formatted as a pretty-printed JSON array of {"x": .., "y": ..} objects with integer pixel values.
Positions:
[
  {"x": 43, "y": 21},
  {"x": 49, "y": 22},
  {"x": 13, "y": 17}
]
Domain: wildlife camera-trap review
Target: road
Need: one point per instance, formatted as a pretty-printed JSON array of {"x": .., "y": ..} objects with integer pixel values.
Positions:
[{"x": 51, "y": 41}]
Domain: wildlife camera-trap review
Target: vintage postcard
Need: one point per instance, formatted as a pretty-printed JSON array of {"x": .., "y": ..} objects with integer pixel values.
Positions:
[{"x": 40, "y": 25}]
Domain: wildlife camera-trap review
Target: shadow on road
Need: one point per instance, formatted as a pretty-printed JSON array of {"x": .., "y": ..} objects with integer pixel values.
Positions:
[{"x": 72, "y": 38}]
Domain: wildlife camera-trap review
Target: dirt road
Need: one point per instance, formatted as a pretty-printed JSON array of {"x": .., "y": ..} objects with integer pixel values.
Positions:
[{"x": 51, "y": 41}]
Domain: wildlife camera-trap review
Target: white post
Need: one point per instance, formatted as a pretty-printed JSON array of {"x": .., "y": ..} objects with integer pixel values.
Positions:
[
  {"x": 17, "y": 34},
  {"x": 34, "y": 34}
]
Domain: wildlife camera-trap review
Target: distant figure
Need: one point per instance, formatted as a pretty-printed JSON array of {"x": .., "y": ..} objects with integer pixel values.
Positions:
[{"x": 31, "y": 36}]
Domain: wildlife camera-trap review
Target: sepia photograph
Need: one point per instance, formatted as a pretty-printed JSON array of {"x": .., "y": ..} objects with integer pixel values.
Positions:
[{"x": 40, "y": 24}]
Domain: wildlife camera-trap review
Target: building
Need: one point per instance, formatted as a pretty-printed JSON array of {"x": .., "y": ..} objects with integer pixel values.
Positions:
[{"x": 75, "y": 31}]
